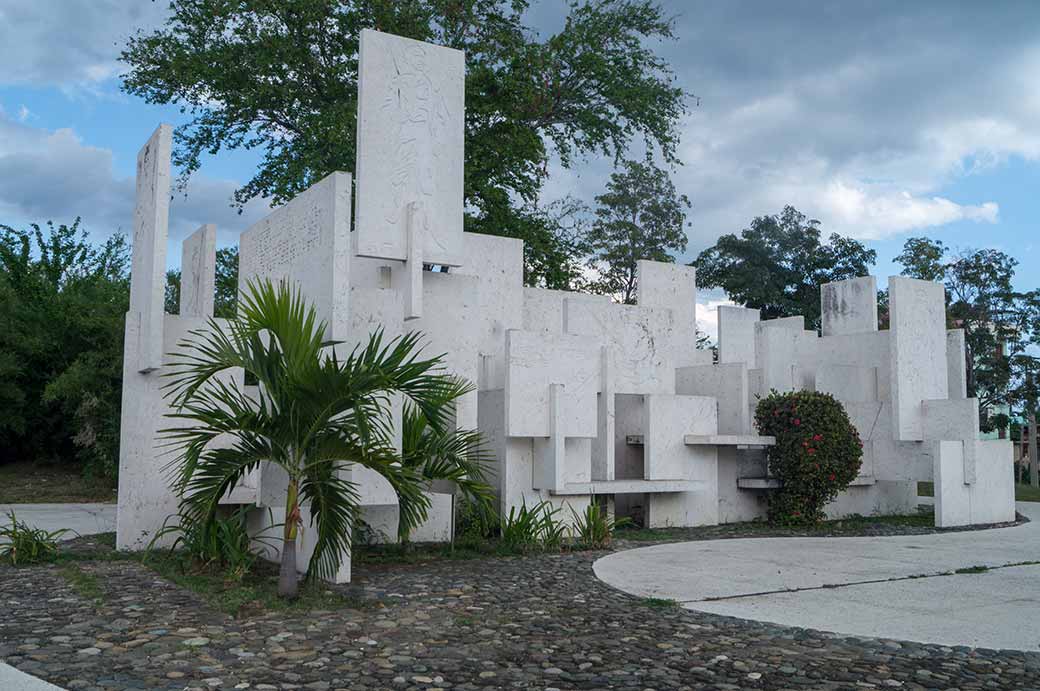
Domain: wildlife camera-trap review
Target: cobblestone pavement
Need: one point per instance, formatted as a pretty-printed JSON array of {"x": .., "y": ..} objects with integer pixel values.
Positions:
[{"x": 538, "y": 622}]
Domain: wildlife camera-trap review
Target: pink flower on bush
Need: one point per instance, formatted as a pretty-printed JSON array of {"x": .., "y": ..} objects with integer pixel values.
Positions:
[{"x": 796, "y": 422}]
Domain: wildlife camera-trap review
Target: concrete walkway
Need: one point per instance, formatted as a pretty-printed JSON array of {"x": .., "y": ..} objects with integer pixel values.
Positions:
[
  {"x": 83, "y": 519},
  {"x": 13, "y": 680},
  {"x": 901, "y": 587}
]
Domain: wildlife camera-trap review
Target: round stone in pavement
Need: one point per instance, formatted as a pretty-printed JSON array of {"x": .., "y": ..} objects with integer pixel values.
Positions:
[{"x": 974, "y": 588}]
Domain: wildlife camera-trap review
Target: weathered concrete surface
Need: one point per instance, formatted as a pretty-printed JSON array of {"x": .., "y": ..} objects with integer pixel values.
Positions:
[
  {"x": 13, "y": 680},
  {"x": 858, "y": 586},
  {"x": 84, "y": 519}
]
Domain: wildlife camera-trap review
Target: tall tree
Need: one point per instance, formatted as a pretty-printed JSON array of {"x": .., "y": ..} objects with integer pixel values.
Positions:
[
  {"x": 282, "y": 77},
  {"x": 980, "y": 299},
  {"x": 778, "y": 265},
  {"x": 639, "y": 216}
]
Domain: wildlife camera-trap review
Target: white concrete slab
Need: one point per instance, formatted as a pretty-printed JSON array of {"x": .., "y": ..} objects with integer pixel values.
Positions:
[
  {"x": 868, "y": 586},
  {"x": 13, "y": 680},
  {"x": 84, "y": 519}
]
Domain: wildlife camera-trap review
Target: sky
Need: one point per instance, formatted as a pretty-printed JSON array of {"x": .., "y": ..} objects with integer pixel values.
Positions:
[{"x": 884, "y": 120}]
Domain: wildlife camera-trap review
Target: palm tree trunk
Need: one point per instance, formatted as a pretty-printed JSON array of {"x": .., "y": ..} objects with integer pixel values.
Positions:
[{"x": 288, "y": 578}]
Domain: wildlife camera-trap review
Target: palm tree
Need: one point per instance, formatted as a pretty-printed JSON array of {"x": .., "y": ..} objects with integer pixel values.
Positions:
[{"x": 312, "y": 413}]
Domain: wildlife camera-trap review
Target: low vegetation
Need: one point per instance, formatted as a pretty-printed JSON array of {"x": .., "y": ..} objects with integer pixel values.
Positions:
[
  {"x": 33, "y": 483},
  {"x": 22, "y": 544}
]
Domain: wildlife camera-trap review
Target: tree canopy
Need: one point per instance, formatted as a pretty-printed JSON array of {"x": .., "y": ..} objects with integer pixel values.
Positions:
[
  {"x": 1000, "y": 323},
  {"x": 639, "y": 216},
  {"x": 282, "y": 77},
  {"x": 778, "y": 264},
  {"x": 62, "y": 307}
]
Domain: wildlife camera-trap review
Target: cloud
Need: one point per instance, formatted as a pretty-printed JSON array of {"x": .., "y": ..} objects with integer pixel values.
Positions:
[
  {"x": 708, "y": 316},
  {"x": 68, "y": 42},
  {"x": 54, "y": 175},
  {"x": 860, "y": 115}
]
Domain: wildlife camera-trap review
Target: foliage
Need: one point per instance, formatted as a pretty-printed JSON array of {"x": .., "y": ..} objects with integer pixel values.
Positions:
[
  {"x": 223, "y": 542},
  {"x": 315, "y": 414},
  {"x": 225, "y": 301},
  {"x": 282, "y": 77},
  {"x": 63, "y": 303},
  {"x": 444, "y": 453},
  {"x": 555, "y": 237},
  {"x": 817, "y": 453},
  {"x": 778, "y": 265},
  {"x": 594, "y": 527},
  {"x": 1001, "y": 325},
  {"x": 528, "y": 528},
  {"x": 639, "y": 216},
  {"x": 23, "y": 544}
]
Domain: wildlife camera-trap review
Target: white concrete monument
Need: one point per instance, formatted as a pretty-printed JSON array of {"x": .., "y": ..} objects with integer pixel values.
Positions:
[{"x": 581, "y": 400}]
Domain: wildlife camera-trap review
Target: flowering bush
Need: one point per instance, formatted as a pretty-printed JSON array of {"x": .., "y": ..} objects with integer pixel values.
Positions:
[{"x": 817, "y": 453}]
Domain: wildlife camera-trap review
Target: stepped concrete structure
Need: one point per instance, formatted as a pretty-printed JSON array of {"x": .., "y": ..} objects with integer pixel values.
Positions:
[{"x": 581, "y": 399}]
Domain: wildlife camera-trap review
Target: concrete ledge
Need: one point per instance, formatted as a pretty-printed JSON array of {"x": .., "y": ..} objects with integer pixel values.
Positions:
[
  {"x": 629, "y": 487},
  {"x": 240, "y": 495},
  {"x": 737, "y": 440},
  {"x": 762, "y": 483}
]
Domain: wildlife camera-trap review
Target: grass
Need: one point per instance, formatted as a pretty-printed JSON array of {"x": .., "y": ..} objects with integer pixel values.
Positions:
[
  {"x": 29, "y": 483},
  {"x": 658, "y": 603},
  {"x": 256, "y": 592},
  {"x": 464, "y": 548},
  {"x": 850, "y": 525},
  {"x": 85, "y": 584},
  {"x": 1023, "y": 492}
]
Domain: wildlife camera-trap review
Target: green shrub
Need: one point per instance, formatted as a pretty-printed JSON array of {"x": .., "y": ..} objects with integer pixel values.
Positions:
[
  {"x": 25, "y": 544},
  {"x": 817, "y": 453},
  {"x": 526, "y": 528},
  {"x": 222, "y": 542},
  {"x": 594, "y": 527}
]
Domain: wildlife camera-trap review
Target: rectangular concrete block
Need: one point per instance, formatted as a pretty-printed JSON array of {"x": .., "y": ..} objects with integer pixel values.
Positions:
[
  {"x": 498, "y": 263},
  {"x": 917, "y": 317},
  {"x": 779, "y": 346},
  {"x": 148, "y": 258},
  {"x": 307, "y": 242},
  {"x": 849, "y": 307},
  {"x": 198, "y": 272},
  {"x": 993, "y": 493},
  {"x": 669, "y": 418},
  {"x": 535, "y": 362},
  {"x": 952, "y": 496},
  {"x": 956, "y": 364},
  {"x": 727, "y": 383},
  {"x": 848, "y": 383},
  {"x": 672, "y": 286},
  {"x": 954, "y": 419},
  {"x": 410, "y": 140},
  {"x": 737, "y": 334},
  {"x": 641, "y": 341}
]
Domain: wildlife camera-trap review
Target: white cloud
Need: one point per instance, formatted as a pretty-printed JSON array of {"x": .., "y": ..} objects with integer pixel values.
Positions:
[
  {"x": 708, "y": 316},
  {"x": 68, "y": 42},
  {"x": 54, "y": 175},
  {"x": 865, "y": 131}
]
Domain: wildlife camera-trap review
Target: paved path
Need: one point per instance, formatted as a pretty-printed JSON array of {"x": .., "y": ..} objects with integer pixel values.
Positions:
[
  {"x": 888, "y": 587},
  {"x": 84, "y": 519}
]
